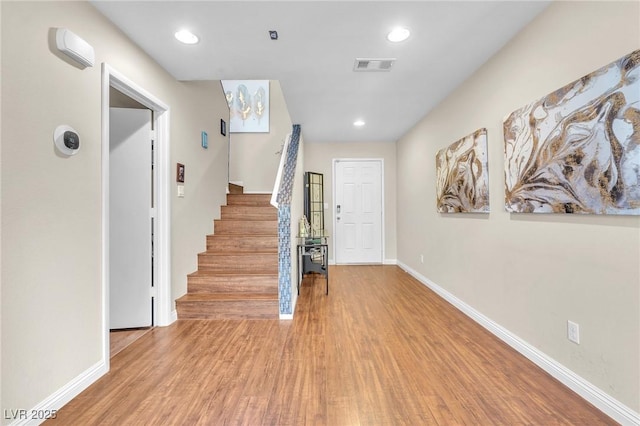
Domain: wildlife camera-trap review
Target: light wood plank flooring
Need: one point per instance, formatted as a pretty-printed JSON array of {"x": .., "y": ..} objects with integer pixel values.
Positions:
[
  {"x": 120, "y": 339},
  {"x": 381, "y": 349}
]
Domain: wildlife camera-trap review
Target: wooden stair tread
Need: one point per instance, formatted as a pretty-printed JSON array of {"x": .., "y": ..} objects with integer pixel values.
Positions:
[
  {"x": 249, "y": 218},
  {"x": 237, "y": 276},
  {"x": 224, "y": 282},
  {"x": 249, "y": 199},
  {"x": 247, "y": 229},
  {"x": 254, "y": 274},
  {"x": 250, "y": 209},
  {"x": 254, "y": 194},
  {"x": 248, "y": 222},
  {"x": 235, "y": 189},
  {"x": 250, "y": 212},
  {"x": 213, "y": 252},
  {"x": 235, "y": 236},
  {"x": 211, "y": 297},
  {"x": 240, "y": 250},
  {"x": 238, "y": 236}
]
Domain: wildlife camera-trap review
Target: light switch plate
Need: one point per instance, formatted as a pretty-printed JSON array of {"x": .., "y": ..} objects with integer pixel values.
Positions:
[
  {"x": 181, "y": 191},
  {"x": 573, "y": 332}
]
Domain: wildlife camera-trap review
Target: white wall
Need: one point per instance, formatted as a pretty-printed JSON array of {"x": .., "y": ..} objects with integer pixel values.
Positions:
[
  {"x": 51, "y": 209},
  {"x": 531, "y": 273},
  {"x": 201, "y": 105},
  {"x": 319, "y": 158},
  {"x": 254, "y": 157}
]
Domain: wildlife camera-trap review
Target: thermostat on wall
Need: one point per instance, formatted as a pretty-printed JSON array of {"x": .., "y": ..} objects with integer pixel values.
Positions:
[{"x": 66, "y": 140}]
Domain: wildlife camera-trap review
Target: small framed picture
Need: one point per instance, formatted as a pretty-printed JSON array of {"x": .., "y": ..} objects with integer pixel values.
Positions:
[
  {"x": 223, "y": 127},
  {"x": 180, "y": 173}
]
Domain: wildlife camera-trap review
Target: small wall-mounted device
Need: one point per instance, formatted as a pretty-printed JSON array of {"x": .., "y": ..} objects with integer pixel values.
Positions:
[
  {"x": 66, "y": 139},
  {"x": 204, "y": 140},
  {"x": 75, "y": 47}
]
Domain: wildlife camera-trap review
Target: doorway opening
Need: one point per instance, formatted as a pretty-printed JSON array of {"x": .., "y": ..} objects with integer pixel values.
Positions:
[
  {"x": 158, "y": 312},
  {"x": 131, "y": 227}
]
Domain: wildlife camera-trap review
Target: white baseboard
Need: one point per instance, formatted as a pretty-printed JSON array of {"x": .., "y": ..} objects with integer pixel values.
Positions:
[
  {"x": 286, "y": 316},
  {"x": 604, "y": 402},
  {"x": 384, "y": 262},
  {"x": 63, "y": 395},
  {"x": 69, "y": 391}
]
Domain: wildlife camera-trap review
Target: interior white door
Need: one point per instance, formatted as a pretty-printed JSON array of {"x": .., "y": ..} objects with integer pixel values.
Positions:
[
  {"x": 130, "y": 224},
  {"x": 358, "y": 211}
]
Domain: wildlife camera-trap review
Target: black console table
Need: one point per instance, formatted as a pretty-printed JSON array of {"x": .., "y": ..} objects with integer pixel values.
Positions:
[{"x": 313, "y": 256}]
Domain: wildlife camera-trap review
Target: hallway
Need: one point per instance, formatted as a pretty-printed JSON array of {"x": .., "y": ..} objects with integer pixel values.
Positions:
[{"x": 381, "y": 349}]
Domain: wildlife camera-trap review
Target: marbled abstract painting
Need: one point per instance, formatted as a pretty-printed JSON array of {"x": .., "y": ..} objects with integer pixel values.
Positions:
[
  {"x": 577, "y": 150},
  {"x": 462, "y": 175}
]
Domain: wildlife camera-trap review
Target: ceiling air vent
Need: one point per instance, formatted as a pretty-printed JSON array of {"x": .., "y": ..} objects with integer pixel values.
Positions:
[{"x": 364, "y": 64}]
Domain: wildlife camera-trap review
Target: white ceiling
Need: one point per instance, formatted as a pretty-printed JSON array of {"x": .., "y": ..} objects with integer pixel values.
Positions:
[{"x": 318, "y": 43}]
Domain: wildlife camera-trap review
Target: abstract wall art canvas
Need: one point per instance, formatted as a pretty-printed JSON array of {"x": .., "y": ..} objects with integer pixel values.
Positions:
[
  {"x": 577, "y": 150},
  {"x": 248, "y": 102},
  {"x": 462, "y": 175}
]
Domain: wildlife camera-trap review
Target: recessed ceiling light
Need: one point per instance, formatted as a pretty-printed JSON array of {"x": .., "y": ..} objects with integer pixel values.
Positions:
[
  {"x": 358, "y": 123},
  {"x": 186, "y": 37},
  {"x": 398, "y": 34}
]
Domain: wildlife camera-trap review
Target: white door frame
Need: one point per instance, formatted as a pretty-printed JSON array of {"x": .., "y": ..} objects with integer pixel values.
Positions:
[
  {"x": 383, "y": 230},
  {"x": 161, "y": 212}
]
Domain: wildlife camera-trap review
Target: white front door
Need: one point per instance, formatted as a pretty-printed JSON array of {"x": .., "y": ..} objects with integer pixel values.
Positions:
[
  {"x": 358, "y": 211},
  {"x": 130, "y": 223}
]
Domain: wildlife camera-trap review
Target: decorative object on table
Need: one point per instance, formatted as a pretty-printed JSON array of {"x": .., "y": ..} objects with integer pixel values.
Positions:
[
  {"x": 248, "y": 102},
  {"x": 303, "y": 227},
  {"x": 462, "y": 184},
  {"x": 307, "y": 226},
  {"x": 577, "y": 150}
]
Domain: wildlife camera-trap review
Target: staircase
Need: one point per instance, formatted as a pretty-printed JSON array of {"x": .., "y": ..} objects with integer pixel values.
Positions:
[{"x": 237, "y": 276}]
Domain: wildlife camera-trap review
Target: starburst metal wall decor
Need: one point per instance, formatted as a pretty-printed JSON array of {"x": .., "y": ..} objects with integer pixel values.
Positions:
[
  {"x": 248, "y": 102},
  {"x": 577, "y": 150}
]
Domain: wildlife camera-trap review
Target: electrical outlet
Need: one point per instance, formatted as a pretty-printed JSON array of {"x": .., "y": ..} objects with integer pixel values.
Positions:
[
  {"x": 573, "y": 332},
  {"x": 422, "y": 258}
]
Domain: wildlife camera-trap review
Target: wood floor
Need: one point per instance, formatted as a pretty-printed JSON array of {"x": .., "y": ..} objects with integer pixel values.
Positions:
[
  {"x": 381, "y": 349},
  {"x": 120, "y": 339}
]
